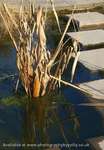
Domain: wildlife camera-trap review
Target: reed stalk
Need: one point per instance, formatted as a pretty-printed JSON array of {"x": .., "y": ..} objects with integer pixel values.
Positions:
[{"x": 34, "y": 60}]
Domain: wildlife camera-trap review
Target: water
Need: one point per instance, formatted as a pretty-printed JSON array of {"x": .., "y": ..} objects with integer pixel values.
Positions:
[
  {"x": 52, "y": 119},
  {"x": 7, "y": 67}
]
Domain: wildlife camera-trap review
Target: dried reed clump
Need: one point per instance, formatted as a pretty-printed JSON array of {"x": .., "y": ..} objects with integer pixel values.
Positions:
[
  {"x": 32, "y": 57},
  {"x": 34, "y": 60}
]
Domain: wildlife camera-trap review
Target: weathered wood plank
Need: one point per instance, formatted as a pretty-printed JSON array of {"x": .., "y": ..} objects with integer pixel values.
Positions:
[
  {"x": 88, "y": 39},
  {"x": 87, "y": 19},
  {"x": 92, "y": 59},
  {"x": 97, "y": 143},
  {"x": 60, "y": 4},
  {"x": 95, "y": 88}
]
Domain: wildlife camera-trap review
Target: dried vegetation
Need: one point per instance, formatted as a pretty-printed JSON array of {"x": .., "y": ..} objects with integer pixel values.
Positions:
[{"x": 34, "y": 60}]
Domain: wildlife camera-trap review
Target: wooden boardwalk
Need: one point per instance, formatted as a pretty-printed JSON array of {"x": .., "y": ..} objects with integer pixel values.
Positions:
[
  {"x": 97, "y": 143},
  {"x": 95, "y": 88},
  {"x": 88, "y": 19},
  {"x": 61, "y": 4},
  {"x": 93, "y": 59},
  {"x": 89, "y": 38}
]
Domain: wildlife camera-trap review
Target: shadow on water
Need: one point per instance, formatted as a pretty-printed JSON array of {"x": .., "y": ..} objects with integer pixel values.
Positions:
[
  {"x": 53, "y": 119},
  {"x": 7, "y": 59},
  {"x": 7, "y": 67},
  {"x": 82, "y": 74},
  {"x": 85, "y": 75},
  {"x": 91, "y": 120},
  {"x": 45, "y": 120}
]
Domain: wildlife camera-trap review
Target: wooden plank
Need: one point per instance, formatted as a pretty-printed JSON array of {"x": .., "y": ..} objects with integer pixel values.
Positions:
[
  {"x": 88, "y": 39},
  {"x": 60, "y": 4},
  {"x": 92, "y": 59},
  {"x": 95, "y": 88},
  {"x": 97, "y": 143},
  {"x": 59, "y": 1},
  {"x": 87, "y": 19},
  {"x": 101, "y": 105}
]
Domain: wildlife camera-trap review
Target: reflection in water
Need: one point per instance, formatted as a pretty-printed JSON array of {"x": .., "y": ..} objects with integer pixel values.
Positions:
[
  {"x": 50, "y": 120},
  {"x": 7, "y": 67},
  {"x": 7, "y": 58},
  {"x": 5, "y": 50}
]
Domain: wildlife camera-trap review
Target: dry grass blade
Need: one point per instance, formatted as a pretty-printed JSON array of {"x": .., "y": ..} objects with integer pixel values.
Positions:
[
  {"x": 30, "y": 9},
  {"x": 69, "y": 84},
  {"x": 38, "y": 19},
  {"x": 21, "y": 10},
  {"x": 42, "y": 36},
  {"x": 6, "y": 25},
  {"x": 69, "y": 55},
  {"x": 46, "y": 10},
  {"x": 56, "y": 16},
  {"x": 61, "y": 41},
  {"x": 74, "y": 66},
  {"x": 11, "y": 18}
]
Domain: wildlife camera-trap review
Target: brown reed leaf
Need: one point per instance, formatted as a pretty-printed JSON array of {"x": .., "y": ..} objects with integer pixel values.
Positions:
[
  {"x": 42, "y": 37},
  {"x": 39, "y": 17}
]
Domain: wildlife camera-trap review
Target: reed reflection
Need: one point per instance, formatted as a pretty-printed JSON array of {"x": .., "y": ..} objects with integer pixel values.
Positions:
[{"x": 51, "y": 120}]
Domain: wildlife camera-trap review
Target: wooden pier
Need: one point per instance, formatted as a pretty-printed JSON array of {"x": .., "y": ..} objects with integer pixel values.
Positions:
[
  {"x": 97, "y": 143},
  {"x": 88, "y": 39},
  {"x": 60, "y": 4},
  {"x": 84, "y": 20},
  {"x": 93, "y": 59},
  {"x": 95, "y": 88}
]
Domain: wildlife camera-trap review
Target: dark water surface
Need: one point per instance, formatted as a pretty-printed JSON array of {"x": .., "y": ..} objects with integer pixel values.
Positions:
[{"x": 52, "y": 119}]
